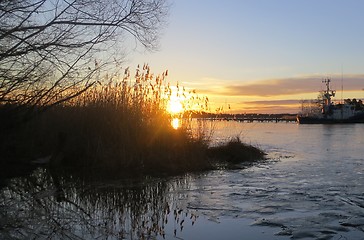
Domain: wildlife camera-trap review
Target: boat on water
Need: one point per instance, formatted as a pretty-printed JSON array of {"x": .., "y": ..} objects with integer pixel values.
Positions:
[{"x": 326, "y": 111}]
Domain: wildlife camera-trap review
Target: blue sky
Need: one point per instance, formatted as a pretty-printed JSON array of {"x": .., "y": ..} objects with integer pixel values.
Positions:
[{"x": 284, "y": 48}]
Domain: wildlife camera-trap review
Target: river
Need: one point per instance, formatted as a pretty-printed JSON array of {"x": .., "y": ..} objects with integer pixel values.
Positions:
[{"x": 310, "y": 187}]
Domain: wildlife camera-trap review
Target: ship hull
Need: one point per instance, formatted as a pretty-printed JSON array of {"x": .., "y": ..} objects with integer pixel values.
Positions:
[{"x": 315, "y": 120}]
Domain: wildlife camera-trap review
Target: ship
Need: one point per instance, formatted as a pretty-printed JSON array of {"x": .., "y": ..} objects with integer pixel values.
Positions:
[{"x": 329, "y": 112}]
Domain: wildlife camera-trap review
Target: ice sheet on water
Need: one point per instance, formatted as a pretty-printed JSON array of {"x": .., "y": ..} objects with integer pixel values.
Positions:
[{"x": 310, "y": 190}]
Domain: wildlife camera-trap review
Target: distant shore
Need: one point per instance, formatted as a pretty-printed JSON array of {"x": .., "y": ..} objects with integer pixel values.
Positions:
[{"x": 248, "y": 117}]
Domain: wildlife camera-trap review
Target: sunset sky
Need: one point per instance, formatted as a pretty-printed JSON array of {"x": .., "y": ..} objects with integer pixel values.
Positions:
[{"x": 261, "y": 56}]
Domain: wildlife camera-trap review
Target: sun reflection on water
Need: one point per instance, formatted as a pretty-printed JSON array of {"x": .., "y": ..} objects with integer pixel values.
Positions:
[{"x": 175, "y": 123}]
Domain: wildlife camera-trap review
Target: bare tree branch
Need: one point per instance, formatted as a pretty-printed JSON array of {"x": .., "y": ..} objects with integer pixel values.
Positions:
[{"x": 48, "y": 47}]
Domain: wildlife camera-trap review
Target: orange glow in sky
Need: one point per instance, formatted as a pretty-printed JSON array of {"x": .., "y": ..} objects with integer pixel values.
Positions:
[{"x": 261, "y": 56}]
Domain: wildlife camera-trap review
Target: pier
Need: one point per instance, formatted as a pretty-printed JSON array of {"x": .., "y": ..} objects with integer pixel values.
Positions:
[{"x": 248, "y": 117}]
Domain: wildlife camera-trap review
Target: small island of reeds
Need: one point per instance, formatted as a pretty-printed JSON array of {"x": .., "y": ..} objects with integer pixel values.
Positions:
[{"x": 117, "y": 127}]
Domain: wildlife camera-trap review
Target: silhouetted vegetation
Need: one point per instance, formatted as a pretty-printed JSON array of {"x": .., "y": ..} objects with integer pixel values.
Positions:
[
  {"x": 52, "y": 51},
  {"x": 235, "y": 151},
  {"x": 59, "y": 107},
  {"x": 119, "y": 126}
]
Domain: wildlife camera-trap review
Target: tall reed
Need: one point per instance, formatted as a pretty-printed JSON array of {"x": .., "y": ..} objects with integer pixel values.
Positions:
[{"x": 119, "y": 125}]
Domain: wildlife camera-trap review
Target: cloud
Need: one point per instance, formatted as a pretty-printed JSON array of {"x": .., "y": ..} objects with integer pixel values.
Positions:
[
  {"x": 273, "y": 102},
  {"x": 288, "y": 86},
  {"x": 270, "y": 106},
  {"x": 267, "y": 109}
]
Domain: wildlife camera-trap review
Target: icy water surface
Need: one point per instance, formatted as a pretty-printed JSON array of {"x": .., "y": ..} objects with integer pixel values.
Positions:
[{"x": 311, "y": 187}]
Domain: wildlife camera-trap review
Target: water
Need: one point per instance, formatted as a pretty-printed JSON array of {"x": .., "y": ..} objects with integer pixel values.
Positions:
[{"x": 311, "y": 187}]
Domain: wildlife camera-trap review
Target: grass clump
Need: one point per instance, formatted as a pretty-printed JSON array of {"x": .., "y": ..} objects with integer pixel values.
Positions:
[{"x": 235, "y": 151}]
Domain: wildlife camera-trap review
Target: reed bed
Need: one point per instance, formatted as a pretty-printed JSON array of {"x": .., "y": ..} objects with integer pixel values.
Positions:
[{"x": 119, "y": 126}]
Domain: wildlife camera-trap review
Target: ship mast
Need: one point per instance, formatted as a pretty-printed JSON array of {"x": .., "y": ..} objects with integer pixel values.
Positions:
[
  {"x": 342, "y": 85},
  {"x": 327, "y": 94}
]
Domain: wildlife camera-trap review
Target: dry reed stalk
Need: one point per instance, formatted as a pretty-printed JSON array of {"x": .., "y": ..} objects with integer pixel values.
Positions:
[{"x": 122, "y": 125}]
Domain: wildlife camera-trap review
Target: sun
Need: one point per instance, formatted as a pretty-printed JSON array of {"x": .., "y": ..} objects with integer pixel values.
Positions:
[{"x": 174, "y": 106}]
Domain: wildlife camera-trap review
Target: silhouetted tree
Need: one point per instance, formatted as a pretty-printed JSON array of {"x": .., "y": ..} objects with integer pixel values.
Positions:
[{"x": 51, "y": 50}]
